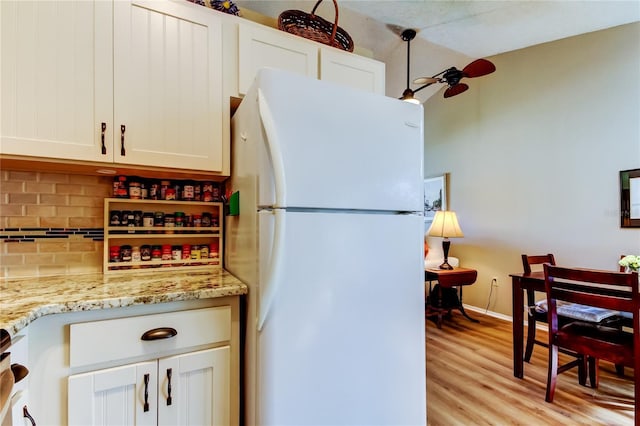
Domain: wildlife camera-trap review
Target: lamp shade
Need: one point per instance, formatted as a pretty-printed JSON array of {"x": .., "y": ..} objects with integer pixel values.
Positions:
[{"x": 445, "y": 224}]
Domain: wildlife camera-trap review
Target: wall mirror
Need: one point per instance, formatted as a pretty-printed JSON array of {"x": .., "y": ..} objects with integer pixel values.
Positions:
[{"x": 630, "y": 198}]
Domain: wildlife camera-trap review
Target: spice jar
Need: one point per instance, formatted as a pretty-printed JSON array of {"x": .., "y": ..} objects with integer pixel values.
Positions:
[
  {"x": 169, "y": 222},
  {"x": 197, "y": 191},
  {"x": 207, "y": 191},
  {"x": 120, "y": 189},
  {"x": 114, "y": 254},
  {"x": 186, "y": 251},
  {"x": 134, "y": 189},
  {"x": 166, "y": 252},
  {"x": 144, "y": 189},
  {"x": 114, "y": 217},
  {"x": 213, "y": 249},
  {"x": 195, "y": 252},
  {"x": 164, "y": 185},
  {"x": 156, "y": 252},
  {"x": 197, "y": 220},
  {"x": 188, "y": 191},
  {"x": 137, "y": 217},
  {"x": 145, "y": 253},
  {"x": 136, "y": 256},
  {"x": 179, "y": 219},
  {"x": 125, "y": 253},
  {"x": 158, "y": 219},
  {"x": 176, "y": 252},
  {"x": 206, "y": 219},
  {"x": 154, "y": 190},
  {"x": 147, "y": 219}
]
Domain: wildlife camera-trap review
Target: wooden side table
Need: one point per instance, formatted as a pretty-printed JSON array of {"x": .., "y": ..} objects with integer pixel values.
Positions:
[{"x": 449, "y": 278}]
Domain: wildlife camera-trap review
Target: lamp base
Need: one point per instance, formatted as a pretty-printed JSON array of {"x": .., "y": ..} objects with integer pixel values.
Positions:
[
  {"x": 445, "y": 265},
  {"x": 445, "y": 248}
]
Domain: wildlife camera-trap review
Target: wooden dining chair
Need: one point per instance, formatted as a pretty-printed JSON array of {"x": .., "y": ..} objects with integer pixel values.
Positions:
[
  {"x": 599, "y": 289},
  {"x": 532, "y": 314},
  {"x": 537, "y": 312}
]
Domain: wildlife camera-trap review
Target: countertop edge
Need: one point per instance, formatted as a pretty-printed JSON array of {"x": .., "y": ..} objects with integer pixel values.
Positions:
[{"x": 208, "y": 288}]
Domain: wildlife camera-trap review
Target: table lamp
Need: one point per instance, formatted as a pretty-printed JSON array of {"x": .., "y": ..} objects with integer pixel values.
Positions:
[{"x": 445, "y": 225}]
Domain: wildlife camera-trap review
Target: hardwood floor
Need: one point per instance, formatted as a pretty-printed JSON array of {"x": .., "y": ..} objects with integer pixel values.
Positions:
[{"x": 470, "y": 382}]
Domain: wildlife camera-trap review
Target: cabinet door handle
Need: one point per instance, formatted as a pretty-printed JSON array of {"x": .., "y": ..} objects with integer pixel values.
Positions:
[
  {"x": 104, "y": 129},
  {"x": 146, "y": 393},
  {"x": 122, "y": 129},
  {"x": 169, "y": 400},
  {"x": 26, "y": 415},
  {"x": 159, "y": 333}
]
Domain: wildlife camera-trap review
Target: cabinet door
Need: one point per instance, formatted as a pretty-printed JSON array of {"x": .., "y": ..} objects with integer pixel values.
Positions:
[
  {"x": 265, "y": 47},
  {"x": 56, "y": 78},
  {"x": 352, "y": 70},
  {"x": 115, "y": 396},
  {"x": 200, "y": 388},
  {"x": 168, "y": 85}
]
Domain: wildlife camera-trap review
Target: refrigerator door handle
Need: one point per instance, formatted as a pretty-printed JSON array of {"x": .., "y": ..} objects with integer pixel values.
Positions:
[
  {"x": 273, "y": 279},
  {"x": 273, "y": 145}
]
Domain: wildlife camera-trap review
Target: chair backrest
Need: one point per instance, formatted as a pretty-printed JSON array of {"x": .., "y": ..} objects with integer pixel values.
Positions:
[
  {"x": 598, "y": 288},
  {"x": 527, "y": 261}
]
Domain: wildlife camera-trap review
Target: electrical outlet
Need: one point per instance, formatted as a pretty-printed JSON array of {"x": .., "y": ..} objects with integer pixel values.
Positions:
[{"x": 494, "y": 281}]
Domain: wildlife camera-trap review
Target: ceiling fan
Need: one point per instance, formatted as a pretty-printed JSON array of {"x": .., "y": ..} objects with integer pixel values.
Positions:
[{"x": 451, "y": 76}]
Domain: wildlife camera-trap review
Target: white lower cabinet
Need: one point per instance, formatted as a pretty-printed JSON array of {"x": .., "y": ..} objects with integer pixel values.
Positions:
[
  {"x": 89, "y": 367},
  {"x": 186, "y": 389}
]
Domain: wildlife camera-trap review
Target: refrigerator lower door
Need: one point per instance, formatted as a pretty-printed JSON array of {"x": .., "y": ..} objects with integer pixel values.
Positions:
[{"x": 342, "y": 339}]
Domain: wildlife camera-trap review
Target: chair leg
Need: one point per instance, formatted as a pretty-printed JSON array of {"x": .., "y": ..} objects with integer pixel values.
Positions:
[
  {"x": 531, "y": 337},
  {"x": 582, "y": 369},
  {"x": 552, "y": 373},
  {"x": 531, "y": 327},
  {"x": 594, "y": 376}
]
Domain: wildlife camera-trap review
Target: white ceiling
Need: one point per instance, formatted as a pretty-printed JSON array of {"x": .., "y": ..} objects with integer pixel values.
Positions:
[{"x": 472, "y": 28}]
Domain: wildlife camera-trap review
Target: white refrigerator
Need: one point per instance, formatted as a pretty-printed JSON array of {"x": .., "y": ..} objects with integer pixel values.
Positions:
[{"x": 329, "y": 240}]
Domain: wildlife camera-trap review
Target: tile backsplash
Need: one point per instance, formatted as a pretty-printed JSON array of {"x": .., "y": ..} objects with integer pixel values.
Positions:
[{"x": 51, "y": 223}]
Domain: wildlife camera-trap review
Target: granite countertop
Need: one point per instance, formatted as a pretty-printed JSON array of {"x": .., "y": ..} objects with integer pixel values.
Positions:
[{"x": 23, "y": 300}]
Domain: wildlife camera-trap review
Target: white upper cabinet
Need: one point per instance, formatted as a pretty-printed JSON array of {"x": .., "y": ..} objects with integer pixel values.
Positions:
[
  {"x": 352, "y": 70},
  {"x": 167, "y": 85},
  {"x": 264, "y": 47},
  {"x": 130, "y": 82},
  {"x": 57, "y": 83},
  {"x": 260, "y": 46}
]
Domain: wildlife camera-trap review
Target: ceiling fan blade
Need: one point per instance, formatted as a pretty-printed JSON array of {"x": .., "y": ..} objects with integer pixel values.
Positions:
[
  {"x": 425, "y": 80},
  {"x": 456, "y": 89},
  {"x": 478, "y": 68}
]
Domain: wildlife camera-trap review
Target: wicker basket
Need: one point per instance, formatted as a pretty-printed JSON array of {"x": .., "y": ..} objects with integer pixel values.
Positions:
[{"x": 315, "y": 28}]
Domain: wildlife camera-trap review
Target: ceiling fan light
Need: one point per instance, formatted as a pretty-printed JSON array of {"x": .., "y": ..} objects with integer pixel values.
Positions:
[{"x": 407, "y": 96}]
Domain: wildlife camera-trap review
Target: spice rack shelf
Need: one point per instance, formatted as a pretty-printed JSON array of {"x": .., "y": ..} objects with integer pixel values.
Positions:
[{"x": 200, "y": 246}]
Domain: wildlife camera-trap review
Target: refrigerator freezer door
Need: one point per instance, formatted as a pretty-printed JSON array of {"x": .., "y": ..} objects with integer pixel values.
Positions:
[
  {"x": 343, "y": 339},
  {"x": 338, "y": 148}
]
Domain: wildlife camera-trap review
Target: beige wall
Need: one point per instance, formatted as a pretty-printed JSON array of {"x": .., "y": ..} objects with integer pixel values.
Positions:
[
  {"x": 534, "y": 152},
  {"x": 32, "y": 203}
]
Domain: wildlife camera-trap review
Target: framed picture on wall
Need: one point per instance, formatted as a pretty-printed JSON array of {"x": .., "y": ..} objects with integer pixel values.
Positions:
[
  {"x": 435, "y": 196},
  {"x": 630, "y": 198}
]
